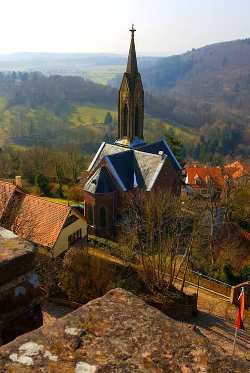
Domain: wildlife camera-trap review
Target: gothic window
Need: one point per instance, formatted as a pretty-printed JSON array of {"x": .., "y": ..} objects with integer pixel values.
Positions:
[
  {"x": 103, "y": 217},
  {"x": 90, "y": 211},
  {"x": 125, "y": 121},
  {"x": 137, "y": 121}
]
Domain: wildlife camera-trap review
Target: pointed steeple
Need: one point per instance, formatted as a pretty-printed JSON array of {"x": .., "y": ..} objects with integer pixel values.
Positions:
[
  {"x": 132, "y": 60},
  {"x": 131, "y": 103}
]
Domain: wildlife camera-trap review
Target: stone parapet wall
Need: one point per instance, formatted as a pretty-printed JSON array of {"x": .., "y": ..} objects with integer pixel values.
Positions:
[
  {"x": 116, "y": 333},
  {"x": 208, "y": 283},
  {"x": 235, "y": 292}
]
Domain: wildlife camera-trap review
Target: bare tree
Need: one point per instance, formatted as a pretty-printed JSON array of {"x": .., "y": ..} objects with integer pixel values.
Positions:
[
  {"x": 74, "y": 161},
  {"x": 155, "y": 231},
  {"x": 206, "y": 212}
]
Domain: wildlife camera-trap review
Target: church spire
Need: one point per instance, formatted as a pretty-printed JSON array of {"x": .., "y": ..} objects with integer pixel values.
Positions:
[
  {"x": 131, "y": 103},
  {"x": 132, "y": 60}
]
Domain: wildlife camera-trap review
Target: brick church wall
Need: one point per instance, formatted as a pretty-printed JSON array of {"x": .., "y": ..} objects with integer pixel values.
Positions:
[
  {"x": 169, "y": 179},
  {"x": 97, "y": 201}
]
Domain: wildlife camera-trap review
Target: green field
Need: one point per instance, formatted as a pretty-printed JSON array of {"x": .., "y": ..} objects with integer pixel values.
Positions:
[
  {"x": 62, "y": 201},
  {"x": 85, "y": 122},
  {"x": 103, "y": 74},
  {"x": 89, "y": 115},
  {"x": 155, "y": 128}
]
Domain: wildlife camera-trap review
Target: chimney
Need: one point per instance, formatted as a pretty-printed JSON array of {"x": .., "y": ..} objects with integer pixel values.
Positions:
[
  {"x": 18, "y": 181},
  {"x": 161, "y": 154}
]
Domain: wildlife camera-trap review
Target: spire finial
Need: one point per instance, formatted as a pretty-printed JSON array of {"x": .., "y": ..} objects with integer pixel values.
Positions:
[
  {"x": 132, "y": 30},
  {"x": 132, "y": 62}
]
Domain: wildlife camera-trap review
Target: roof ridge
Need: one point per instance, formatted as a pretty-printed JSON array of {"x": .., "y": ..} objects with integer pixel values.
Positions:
[
  {"x": 120, "y": 153},
  {"x": 150, "y": 154},
  {"x": 7, "y": 182},
  {"x": 46, "y": 199}
]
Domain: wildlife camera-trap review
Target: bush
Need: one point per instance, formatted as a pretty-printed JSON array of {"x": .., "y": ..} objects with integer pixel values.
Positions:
[
  {"x": 43, "y": 182},
  {"x": 230, "y": 277},
  {"x": 85, "y": 277},
  {"x": 245, "y": 274},
  {"x": 75, "y": 193}
]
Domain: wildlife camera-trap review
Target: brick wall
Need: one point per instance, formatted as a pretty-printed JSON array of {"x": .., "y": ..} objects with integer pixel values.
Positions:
[
  {"x": 169, "y": 179},
  {"x": 97, "y": 201}
]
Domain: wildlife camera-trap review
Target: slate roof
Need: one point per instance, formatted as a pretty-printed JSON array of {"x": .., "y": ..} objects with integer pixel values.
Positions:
[
  {"x": 129, "y": 168},
  {"x": 163, "y": 146},
  {"x": 124, "y": 165},
  {"x": 100, "y": 182},
  {"x": 150, "y": 166},
  {"x": 105, "y": 149}
]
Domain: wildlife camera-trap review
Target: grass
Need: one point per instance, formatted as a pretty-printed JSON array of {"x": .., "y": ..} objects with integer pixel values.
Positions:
[
  {"x": 103, "y": 74},
  {"x": 19, "y": 147},
  {"x": 60, "y": 200},
  {"x": 93, "y": 116},
  {"x": 3, "y": 103},
  {"x": 89, "y": 115}
]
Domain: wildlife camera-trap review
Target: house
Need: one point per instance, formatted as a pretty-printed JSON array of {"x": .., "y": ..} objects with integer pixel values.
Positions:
[
  {"x": 128, "y": 165},
  {"x": 51, "y": 226},
  {"x": 199, "y": 179}
]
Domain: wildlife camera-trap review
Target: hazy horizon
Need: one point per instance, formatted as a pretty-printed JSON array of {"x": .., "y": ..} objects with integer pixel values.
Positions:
[{"x": 164, "y": 27}]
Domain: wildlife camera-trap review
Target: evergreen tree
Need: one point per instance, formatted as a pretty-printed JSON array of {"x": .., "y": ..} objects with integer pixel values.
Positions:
[
  {"x": 108, "y": 118},
  {"x": 43, "y": 183},
  {"x": 176, "y": 146}
]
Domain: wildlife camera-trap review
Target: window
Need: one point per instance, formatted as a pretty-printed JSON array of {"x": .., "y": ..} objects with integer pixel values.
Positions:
[
  {"x": 103, "y": 217},
  {"x": 137, "y": 121},
  {"x": 74, "y": 237},
  {"x": 125, "y": 121},
  {"x": 90, "y": 214},
  {"x": 70, "y": 220}
]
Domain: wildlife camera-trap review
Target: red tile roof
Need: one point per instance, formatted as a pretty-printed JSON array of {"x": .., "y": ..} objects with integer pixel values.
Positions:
[
  {"x": 7, "y": 190},
  {"x": 203, "y": 173},
  {"x": 40, "y": 220},
  {"x": 34, "y": 218},
  {"x": 217, "y": 174},
  {"x": 235, "y": 169}
]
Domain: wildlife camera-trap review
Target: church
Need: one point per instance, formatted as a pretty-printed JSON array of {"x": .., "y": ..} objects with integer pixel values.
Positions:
[{"x": 129, "y": 164}]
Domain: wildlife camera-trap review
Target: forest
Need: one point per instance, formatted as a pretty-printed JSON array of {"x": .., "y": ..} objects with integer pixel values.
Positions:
[{"x": 54, "y": 111}]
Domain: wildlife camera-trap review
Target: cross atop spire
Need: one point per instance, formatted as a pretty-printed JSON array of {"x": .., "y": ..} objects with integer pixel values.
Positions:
[
  {"x": 132, "y": 30},
  {"x": 132, "y": 61}
]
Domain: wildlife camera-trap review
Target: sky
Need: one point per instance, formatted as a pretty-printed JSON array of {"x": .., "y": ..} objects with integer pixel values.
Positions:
[{"x": 163, "y": 26}]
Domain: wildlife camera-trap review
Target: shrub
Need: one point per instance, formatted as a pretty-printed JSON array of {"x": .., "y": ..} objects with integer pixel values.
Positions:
[{"x": 75, "y": 193}]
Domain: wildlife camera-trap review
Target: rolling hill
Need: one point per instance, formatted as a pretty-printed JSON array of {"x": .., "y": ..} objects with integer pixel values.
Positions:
[
  {"x": 204, "y": 92},
  {"x": 214, "y": 79},
  {"x": 57, "y": 110}
]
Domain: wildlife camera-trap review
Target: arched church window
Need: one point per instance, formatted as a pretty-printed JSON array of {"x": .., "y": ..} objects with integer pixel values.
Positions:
[
  {"x": 125, "y": 121},
  {"x": 137, "y": 121},
  {"x": 90, "y": 211},
  {"x": 103, "y": 216}
]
